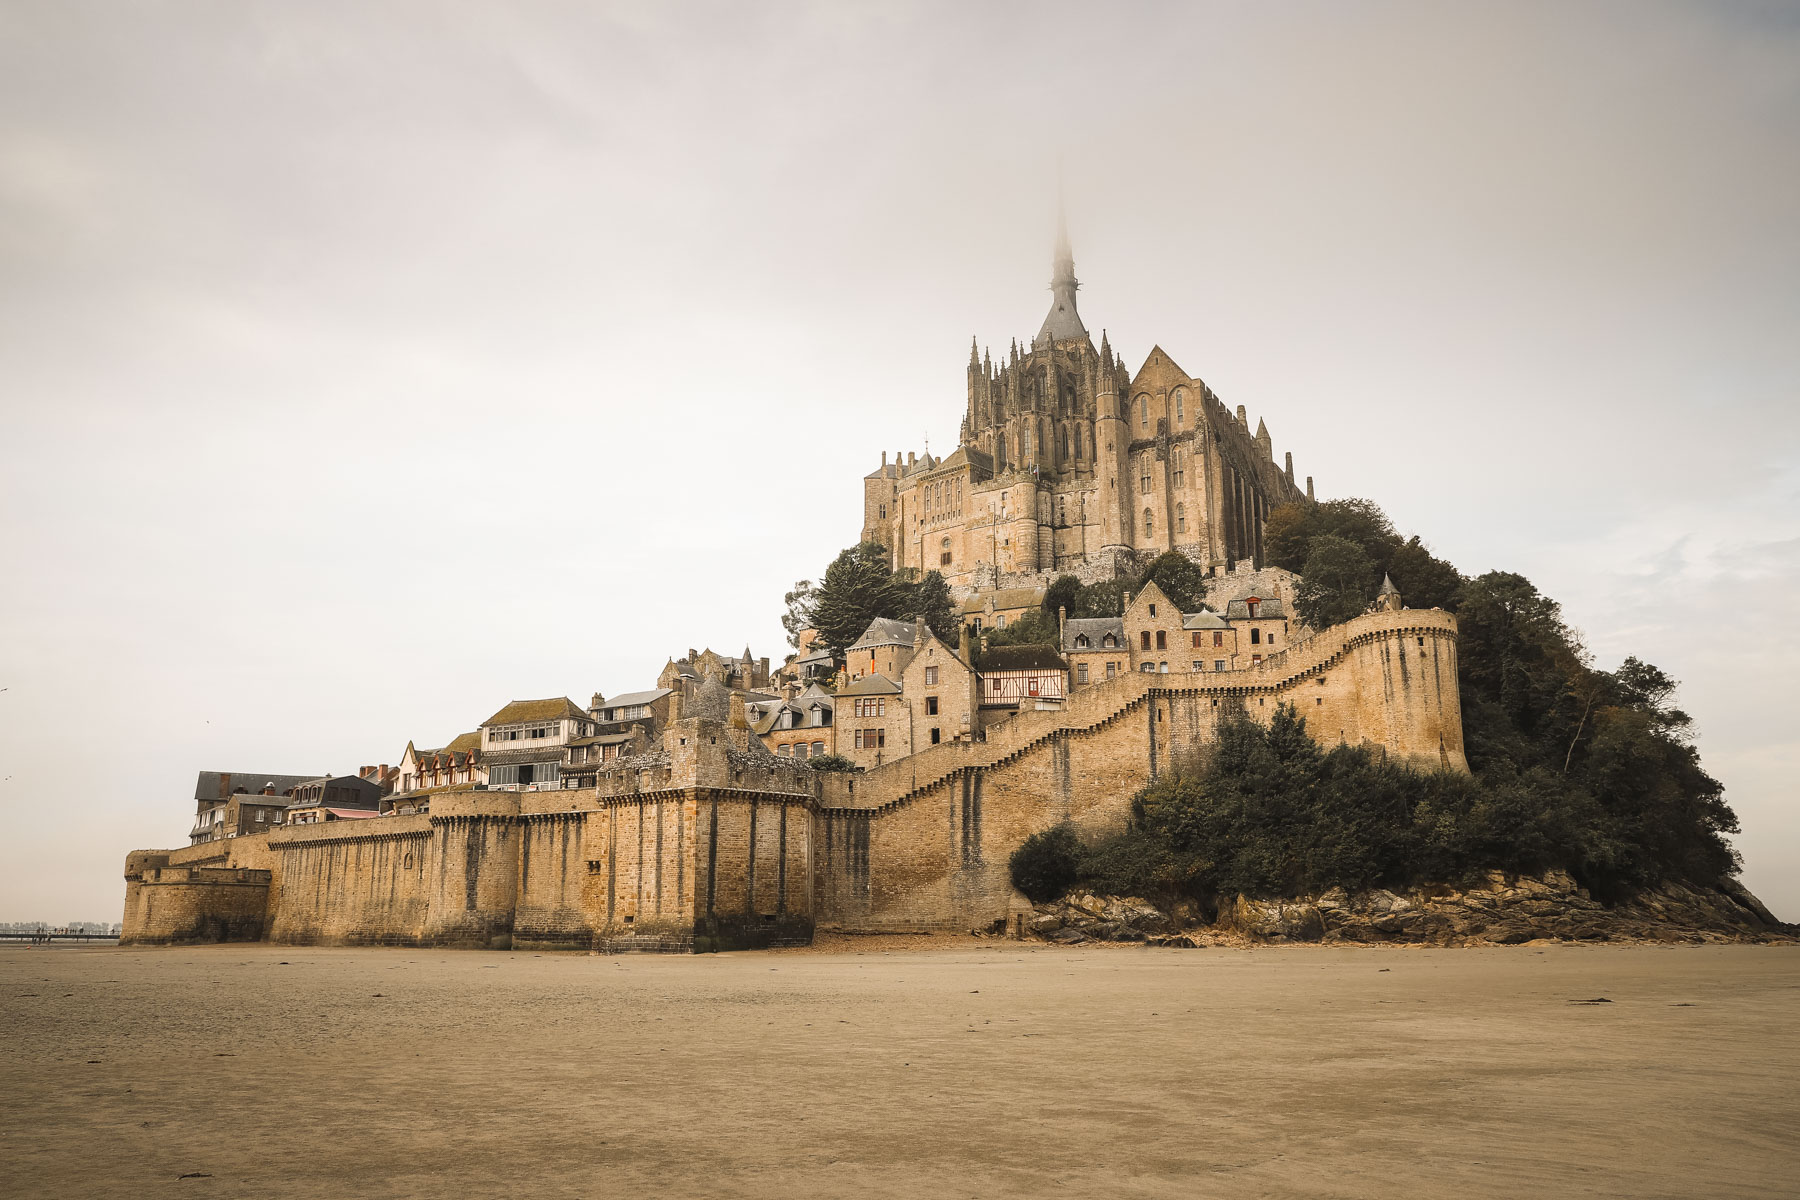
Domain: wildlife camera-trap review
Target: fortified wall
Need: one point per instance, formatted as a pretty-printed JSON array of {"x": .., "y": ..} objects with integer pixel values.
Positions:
[{"x": 713, "y": 843}]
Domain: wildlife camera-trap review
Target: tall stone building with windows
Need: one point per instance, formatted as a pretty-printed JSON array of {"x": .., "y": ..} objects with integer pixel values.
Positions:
[{"x": 1070, "y": 463}]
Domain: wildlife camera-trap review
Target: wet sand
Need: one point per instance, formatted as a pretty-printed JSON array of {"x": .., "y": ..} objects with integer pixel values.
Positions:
[{"x": 976, "y": 1068}]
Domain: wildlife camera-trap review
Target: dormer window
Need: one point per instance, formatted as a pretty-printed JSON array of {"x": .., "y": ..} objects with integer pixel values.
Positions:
[
  {"x": 1081, "y": 641},
  {"x": 1251, "y": 603}
]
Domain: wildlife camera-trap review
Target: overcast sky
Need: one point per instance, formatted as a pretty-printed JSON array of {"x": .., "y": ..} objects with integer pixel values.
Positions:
[{"x": 364, "y": 367}]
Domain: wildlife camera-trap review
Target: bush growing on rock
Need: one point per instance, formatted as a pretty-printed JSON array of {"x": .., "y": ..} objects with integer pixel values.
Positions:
[{"x": 1045, "y": 866}]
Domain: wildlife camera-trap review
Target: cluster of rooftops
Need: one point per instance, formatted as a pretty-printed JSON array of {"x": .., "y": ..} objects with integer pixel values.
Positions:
[{"x": 897, "y": 689}]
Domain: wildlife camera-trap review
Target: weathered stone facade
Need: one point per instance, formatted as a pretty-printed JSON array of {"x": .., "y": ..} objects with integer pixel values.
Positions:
[
  {"x": 1068, "y": 462},
  {"x": 710, "y": 841}
]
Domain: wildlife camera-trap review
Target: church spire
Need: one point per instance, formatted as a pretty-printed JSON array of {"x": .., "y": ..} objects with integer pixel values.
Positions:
[{"x": 1064, "y": 323}]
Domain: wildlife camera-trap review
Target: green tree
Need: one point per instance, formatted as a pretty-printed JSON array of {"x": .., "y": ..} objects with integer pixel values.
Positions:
[
  {"x": 797, "y": 611},
  {"x": 1424, "y": 580},
  {"x": 1290, "y": 529},
  {"x": 1063, "y": 593},
  {"x": 1104, "y": 599},
  {"x": 1044, "y": 866},
  {"x": 929, "y": 601},
  {"x": 1337, "y": 583},
  {"x": 1180, "y": 579},
  {"x": 1033, "y": 628},
  {"x": 857, "y": 587}
]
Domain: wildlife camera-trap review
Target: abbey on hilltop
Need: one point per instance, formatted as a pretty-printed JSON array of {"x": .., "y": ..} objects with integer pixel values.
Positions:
[{"x": 1068, "y": 463}]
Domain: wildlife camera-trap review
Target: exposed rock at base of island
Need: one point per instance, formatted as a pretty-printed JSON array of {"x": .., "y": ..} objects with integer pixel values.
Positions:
[{"x": 1500, "y": 910}]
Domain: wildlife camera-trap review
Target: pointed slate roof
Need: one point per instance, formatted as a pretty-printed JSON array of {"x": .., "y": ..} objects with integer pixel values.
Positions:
[
  {"x": 1063, "y": 324},
  {"x": 1387, "y": 586},
  {"x": 885, "y": 631}
]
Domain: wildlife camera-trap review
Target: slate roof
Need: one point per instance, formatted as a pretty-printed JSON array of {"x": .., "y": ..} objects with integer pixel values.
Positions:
[
  {"x": 600, "y": 739},
  {"x": 1204, "y": 619},
  {"x": 1021, "y": 658},
  {"x": 631, "y": 699},
  {"x": 536, "y": 710},
  {"x": 463, "y": 743},
  {"x": 871, "y": 685},
  {"x": 1387, "y": 586},
  {"x": 885, "y": 631},
  {"x": 216, "y": 785},
  {"x": 1270, "y": 609},
  {"x": 1095, "y": 628}
]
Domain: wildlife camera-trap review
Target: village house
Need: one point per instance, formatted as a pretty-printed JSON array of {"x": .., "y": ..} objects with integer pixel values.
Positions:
[
  {"x": 1021, "y": 677},
  {"x": 584, "y": 757},
  {"x": 802, "y": 727},
  {"x": 649, "y": 709},
  {"x": 522, "y": 744},
  {"x": 230, "y": 803},
  {"x": 996, "y": 608},
  {"x": 344, "y": 798},
  {"x": 931, "y": 695},
  {"x": 455, "y": 764},
  {"x": 1156, "y": 637},
  {"x": 885, "y": 648}
]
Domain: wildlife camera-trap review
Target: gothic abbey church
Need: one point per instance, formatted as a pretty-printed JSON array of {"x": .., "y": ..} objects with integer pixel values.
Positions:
[{"x": 1067, "y": 463}]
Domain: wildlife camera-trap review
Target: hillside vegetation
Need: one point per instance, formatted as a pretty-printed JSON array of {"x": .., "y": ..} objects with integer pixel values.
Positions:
[{"x": 1573, "y": 767}]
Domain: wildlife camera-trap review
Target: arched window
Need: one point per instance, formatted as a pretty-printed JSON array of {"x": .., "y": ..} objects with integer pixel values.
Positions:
[
  {"x": 1077, "y": 441},
  {"x": 1144, "y": 461},
  {"x": 1063, "y": 445},
  {"x": 1149, "y": 525},
  {"x": 1144, "y": 411},
  {"x": 1180, "y": 407},
  {"x": 1181, "y": 518}
]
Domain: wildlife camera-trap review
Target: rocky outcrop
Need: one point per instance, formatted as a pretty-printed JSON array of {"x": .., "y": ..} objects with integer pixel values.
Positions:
[{"x": 1499, "y": 910}]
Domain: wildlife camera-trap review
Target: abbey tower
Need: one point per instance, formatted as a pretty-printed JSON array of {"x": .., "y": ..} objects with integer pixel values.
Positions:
[{"x": 1069, "y": 463}]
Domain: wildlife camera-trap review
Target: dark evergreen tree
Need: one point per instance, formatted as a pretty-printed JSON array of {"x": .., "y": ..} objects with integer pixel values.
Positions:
[
  {"x": 929, "y": 601},
  {"x": 1063, "y": 593},
  {"x": 1180, "y": 579},
  {"x": 1338, "y": 583},
  {"x": 857, "y": 587}
]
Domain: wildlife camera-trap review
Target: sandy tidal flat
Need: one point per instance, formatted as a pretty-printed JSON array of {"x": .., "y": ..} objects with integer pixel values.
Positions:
[{"x": 979, "y": 1069}]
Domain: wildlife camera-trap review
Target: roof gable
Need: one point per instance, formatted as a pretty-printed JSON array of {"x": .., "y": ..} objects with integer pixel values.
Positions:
[{"x": 1159, "y": 371}]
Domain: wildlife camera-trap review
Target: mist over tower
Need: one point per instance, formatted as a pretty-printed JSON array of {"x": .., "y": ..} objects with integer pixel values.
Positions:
[{"x": 1063, "y": 323}]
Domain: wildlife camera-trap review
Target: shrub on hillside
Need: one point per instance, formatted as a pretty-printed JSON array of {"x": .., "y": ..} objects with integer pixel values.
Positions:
[{"x": 1045, "y": 866}]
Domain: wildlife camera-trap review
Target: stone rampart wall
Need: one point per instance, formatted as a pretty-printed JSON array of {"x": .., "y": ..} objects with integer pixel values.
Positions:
[{"x": 737, "y": 852}]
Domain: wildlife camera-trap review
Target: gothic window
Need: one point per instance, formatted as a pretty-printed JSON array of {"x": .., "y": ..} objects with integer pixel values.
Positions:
[
  {"x": 1144, "y": 411},
  {"x": 1149, "y": 525},
  {"x": 1077, "y": 441},
  {"x": 1063, "y": 446},
  {"x": 1180, "y": 407},
  {"x": 1144, "y": 473},
  {"x": 1178, "y": 463},
  {"x": 1024, "y": 444},
  {"x": 1181, "y": 518}
]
